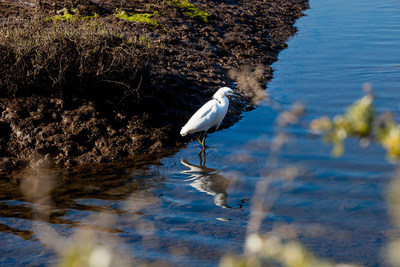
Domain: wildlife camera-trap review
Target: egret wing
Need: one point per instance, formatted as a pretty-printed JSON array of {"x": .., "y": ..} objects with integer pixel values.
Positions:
[{"x": 204, "y": 118}]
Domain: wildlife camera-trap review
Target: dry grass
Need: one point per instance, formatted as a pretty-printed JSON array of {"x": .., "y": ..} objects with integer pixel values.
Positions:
[{"x": 84, "y": 58}]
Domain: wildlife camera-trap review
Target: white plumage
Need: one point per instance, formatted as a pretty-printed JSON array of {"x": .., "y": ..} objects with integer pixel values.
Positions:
[{"x": 209, "y": 115}]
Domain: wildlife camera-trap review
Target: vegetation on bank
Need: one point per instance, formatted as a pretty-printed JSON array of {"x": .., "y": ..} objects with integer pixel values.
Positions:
[
  {"x": 71, "y": 58},
  {"x": 72, "y": 14},
  {"x": 140, "y": 17},
  {"x": 190, "y": 10},
  {"x": 80, "y": 51}
]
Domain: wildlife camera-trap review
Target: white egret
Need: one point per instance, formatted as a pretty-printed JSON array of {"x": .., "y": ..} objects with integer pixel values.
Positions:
[{"x": 209, "y": 115}]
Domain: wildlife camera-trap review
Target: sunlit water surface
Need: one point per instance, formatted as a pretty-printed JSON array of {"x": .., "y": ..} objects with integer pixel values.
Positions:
[{"x": 180, "y": 213}]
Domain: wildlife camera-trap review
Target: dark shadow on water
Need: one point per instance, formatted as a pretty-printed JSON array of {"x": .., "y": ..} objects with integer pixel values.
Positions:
[{"x": 71, "y": 196}]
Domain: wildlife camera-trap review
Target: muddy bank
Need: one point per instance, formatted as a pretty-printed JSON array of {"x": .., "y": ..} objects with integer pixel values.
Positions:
[{"x": 195, "y": 58}]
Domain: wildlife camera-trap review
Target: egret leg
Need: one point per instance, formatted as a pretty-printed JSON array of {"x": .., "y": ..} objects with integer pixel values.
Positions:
[
  {"x": 199, "y": 138},
  {"x": 203, "y": 142}
]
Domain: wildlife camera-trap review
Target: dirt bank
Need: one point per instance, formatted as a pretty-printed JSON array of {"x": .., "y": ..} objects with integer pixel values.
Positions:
[{"x": 194, "y": 59}]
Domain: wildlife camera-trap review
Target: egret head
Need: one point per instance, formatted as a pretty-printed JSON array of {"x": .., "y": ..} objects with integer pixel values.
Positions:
[{"x": 222, "y": 92}]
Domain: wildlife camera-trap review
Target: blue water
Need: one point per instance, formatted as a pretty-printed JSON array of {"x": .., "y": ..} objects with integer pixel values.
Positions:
[{"x": 182, "y": 214}]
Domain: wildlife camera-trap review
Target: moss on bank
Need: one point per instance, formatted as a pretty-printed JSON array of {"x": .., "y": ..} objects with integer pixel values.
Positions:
[
  {"x": 190, "y": 10},
  {"x": 71, "y": 14},
  {"x": 140, "y": 17}
]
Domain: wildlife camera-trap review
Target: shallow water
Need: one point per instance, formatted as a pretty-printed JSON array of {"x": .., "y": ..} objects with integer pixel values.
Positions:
[{"x": 178, "y": 212}]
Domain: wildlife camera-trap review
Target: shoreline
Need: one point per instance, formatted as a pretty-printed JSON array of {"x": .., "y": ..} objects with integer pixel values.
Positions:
[{"x": 195, "y": 58}]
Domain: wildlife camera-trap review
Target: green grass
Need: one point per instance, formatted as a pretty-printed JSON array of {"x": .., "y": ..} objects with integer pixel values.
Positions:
[
  {"x": 191, "y": 11},
  {"x": 71, "y": 14},
  {"x": 140, "y": 17},
  {"x": 74, "y": 14}
]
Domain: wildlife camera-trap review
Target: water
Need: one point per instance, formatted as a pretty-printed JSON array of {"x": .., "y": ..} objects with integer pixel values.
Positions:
[{"x": 180, "y": 213}]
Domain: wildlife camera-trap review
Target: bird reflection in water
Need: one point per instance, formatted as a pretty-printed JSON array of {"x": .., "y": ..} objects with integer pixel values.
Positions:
[{"x": 208, "y": 180}]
